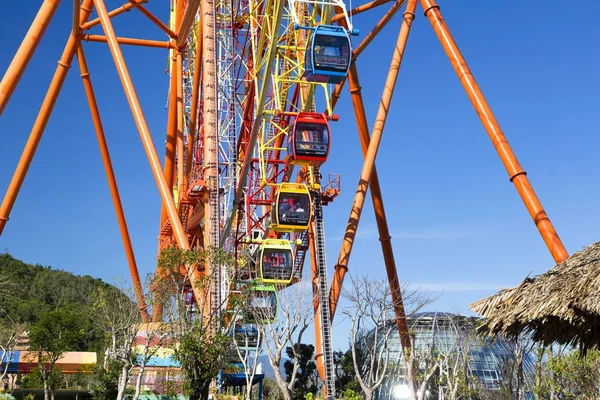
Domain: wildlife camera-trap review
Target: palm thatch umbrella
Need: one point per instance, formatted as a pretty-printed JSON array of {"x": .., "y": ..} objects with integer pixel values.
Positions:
[{"x": 559, "y": 306}]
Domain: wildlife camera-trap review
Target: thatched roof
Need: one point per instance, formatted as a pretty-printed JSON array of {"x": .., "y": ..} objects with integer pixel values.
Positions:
[{"x": 561, "y": 305}]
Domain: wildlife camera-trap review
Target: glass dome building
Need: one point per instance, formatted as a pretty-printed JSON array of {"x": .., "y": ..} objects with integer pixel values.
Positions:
[{"x": 439, "y": 332}]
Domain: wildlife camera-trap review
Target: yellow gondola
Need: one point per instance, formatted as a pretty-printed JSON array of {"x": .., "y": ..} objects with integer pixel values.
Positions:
[
  {"x": 276, "y": 263},
  {"x": 291, "y": 210}
]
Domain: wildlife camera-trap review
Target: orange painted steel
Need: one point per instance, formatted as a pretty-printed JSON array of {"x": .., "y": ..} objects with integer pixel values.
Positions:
[
  {"x": 142, "y": 126},
  {"x": 117, "y": 11},
  {"x": 365, "y": 175},
  {"x": 76, "y": 14},
  {"x": 378, "y": 27},
  {"x": 140, "y": 121},
  {"x": 179, "y": 147},
  {"x": 360, "y": 9},
  {"x": 195, "y": 97},
  {"x": 387, "y": 17},
  {"x": 25, "y": 52},
  {"x": 186, "y": 21},
  {"x": 40, "y": 123},
  {"x": 128, "y": 6},
  {"x": 516, "y": 173},
  {"x": 156, "y": 21},
  {"x": 129, "y": 41},
  {"x": 112, "y": 183},
  {"x": 376, "y": 196}
]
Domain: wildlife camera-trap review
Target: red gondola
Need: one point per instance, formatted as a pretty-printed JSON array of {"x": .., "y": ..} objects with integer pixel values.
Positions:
[{"x": 309, "y": 140}]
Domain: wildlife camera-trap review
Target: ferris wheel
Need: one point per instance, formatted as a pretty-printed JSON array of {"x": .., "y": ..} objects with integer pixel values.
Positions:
[{"x": 253, "y": 88}]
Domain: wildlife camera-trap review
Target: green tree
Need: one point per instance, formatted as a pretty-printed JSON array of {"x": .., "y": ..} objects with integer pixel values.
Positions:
[
  {"x": 345, "y": 378},
  {"x": 571, "y": 376},
  {"x": 54, "y": 334},
  {"x": 31, "y": 291},
  {"x": 118, "y": 316},
  {"x": 306, "y": 376},
  {"x": 200, "y": 346},
  {"x": 105, "y": 380}
]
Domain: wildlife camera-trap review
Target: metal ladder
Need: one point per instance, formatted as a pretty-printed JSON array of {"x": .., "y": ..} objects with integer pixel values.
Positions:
[
  {"x": 324, "y": 296},
  {"x": 211, "y": 139}
]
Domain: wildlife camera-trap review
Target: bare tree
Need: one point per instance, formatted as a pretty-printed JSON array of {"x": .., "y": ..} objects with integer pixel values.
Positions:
[
  {"x": 117, "y": 315},
  {"x": 372, "y": 318},
  {"x": 453, "y": 355},
  {"x": 421, "y": 368},
  {"x": 285, "y": 329},
  {"x": 512, "y": 378},
  {"x": 155, "y": 337},
  {"x": 247, "y": 341},
  {"x": 9, "y": 335}
]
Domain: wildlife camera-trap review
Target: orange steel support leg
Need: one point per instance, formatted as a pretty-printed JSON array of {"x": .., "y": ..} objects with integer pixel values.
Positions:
[
  {"x": 171, "y": 131},
  {"x": 516, "y": 173},
  {"x": 187, "y": 19},
  {"x": 195, "y": 97},
  {"x": 40, "y": 123},
  {"x": 180, "y": 149},
  {"x": 128, "y": 6},
  {"x": 140, "y": 121},
  {"x": 366, "y": 41},
  {"x": 25, "y": 52},
  {"x": 365, "y": 176},
  {"x": 112, "y": 183}
]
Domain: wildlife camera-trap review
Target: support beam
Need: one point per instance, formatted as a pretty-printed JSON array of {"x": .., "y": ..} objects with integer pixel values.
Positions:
[
  {"x": 180, "y": 148},
  {"x": 186, "y": 22},
  {"x": 195, "y": 99},
  {"x": 128, "y": 6},
  {"x": 25, "y": 52},
  {"x": 112, "y": 183},
  {"x": 140, "y": 121},
  {"x": 157, "y": 21},
  {"x": 360, "y": 9},
  {"x": 117, "y": 11},
  {"x": 76, "y": 14},
  {"x": 368, "y": 166},
  {"x": 387, "y": 17},
  {"x": 516, "y": 174},
  {"x": 129, "y": 41},
  {"x": 42, "y": 119}
]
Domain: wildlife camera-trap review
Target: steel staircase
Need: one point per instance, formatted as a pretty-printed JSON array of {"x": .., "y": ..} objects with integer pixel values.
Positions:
[{"x": 324, "y": 296}]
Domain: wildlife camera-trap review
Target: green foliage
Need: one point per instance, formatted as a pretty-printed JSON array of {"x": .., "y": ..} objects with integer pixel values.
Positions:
[
  {"x": 35, "y": 290},
  {"x": 201, "y": 356},
  {"x": 271, "y": 390},
  {"x": 345, "y": 378},
  {"x": 306, "y": 377},
  {"x": 201, "y": 351},
  {"x": 105, "y": 381},
  {"x": 571, "y": 376},
  {"x": 56, "y": 332},
  {"x": 349, "y": 394}
]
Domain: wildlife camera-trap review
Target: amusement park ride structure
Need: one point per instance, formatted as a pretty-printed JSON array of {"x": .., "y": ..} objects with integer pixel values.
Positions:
[{"x": 245, "y": 141}]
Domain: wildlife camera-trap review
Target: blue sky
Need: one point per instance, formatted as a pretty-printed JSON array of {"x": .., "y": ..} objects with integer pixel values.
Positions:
[{"x": 457, "y": 223}]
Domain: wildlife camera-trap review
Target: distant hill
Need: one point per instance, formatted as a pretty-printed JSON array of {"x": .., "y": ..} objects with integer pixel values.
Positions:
[{"x": 28, "y": 291}]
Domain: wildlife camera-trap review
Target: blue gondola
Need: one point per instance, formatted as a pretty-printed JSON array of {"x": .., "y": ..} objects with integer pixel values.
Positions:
[
  {"x": 262, "y": 304},
  {"x": 328, "y": 55},
  {"x": 246, "y": 336}
]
